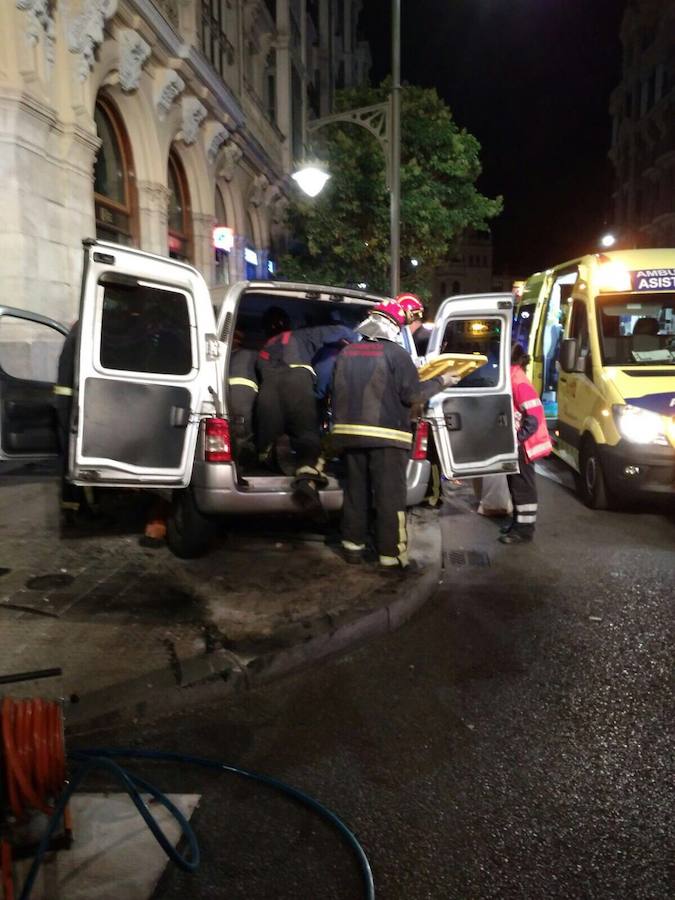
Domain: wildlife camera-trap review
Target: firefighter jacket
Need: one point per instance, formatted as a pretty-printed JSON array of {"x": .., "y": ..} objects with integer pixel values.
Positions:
[
  {"x": 533, "y": 435},
  {"x": 297, "y": 349},
  {"x": 242, "y": 369},
  {"x": 374, "y": 386}
]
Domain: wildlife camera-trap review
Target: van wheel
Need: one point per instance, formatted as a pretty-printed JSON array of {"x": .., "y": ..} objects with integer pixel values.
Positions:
[
  {"x": 188, "y": 532},
  {"x": 591, "y": 481}
]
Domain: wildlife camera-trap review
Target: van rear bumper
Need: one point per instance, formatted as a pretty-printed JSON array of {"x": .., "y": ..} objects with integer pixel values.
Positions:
[
  {"x": 633, "y": 470},
  {"x": 217, "y": 492}
]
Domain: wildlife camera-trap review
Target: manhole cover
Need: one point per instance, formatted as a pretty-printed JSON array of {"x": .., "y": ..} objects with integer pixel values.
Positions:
[
  {"x": 49, "y": 582},
  {"x": 467, "y": 558}
]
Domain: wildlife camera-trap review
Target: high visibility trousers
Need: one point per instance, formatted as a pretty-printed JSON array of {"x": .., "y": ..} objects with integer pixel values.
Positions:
[
  {"x": 287, "y": 405},
  {"x": 376, "y": 480},
  {"x": 523, "y": 488}
]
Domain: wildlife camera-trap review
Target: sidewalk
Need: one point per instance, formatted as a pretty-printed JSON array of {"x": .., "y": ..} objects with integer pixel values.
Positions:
[{"x": 138, "y": 631}]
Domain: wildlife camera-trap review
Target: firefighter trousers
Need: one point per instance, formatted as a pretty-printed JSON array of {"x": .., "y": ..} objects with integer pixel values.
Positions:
[
  {"x": 287, "y": 405},
  {"x": 523, "y": 488},
  {"x": 376, "y": 481}
]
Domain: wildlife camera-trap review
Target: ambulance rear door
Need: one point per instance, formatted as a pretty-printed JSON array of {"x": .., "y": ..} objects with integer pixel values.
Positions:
[{"x": 472, "y": 423}]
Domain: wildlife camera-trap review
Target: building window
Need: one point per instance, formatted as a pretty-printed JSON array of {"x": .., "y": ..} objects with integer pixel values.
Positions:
[
  {"x": 215, "y": 44},
  {"x": 270, "y": 86},
  {"x": 222, "y": 256},
  {"x": 114, "y": 187},
  {"x": 180, "y": 224}
]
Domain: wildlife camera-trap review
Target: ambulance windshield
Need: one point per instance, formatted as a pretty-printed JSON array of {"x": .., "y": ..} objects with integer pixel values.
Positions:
[{"x": 637, "y": 330}]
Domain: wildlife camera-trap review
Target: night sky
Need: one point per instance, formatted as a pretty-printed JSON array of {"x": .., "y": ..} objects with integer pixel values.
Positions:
[{"x": 531, "y": 79}]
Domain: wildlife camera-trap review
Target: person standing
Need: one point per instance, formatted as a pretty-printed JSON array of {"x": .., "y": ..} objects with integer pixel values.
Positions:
[
  {"x": 533, "y": 443},
  {"x": 375, "y": 385},
  {"x": 287, "y": 403}
]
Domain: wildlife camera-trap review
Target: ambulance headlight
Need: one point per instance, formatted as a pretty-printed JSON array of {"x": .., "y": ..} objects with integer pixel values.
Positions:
[{"x": 639, "y": 426}]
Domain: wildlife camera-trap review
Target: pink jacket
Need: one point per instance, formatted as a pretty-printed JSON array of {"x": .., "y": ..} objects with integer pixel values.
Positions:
[{"x": 526, "y": 402}]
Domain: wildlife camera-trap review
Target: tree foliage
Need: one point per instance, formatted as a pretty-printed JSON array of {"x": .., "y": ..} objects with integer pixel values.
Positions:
[{"x": 342, "y": 236}]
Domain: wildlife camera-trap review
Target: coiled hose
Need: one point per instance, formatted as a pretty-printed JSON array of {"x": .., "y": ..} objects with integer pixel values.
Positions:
[{"x": 103, "y": 758}]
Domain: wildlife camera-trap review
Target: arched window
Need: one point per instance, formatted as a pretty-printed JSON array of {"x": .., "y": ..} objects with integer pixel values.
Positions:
[
  {"x": 180, "y": 219},
  {"x": 222, "y": 252},
  {"x": 114, "y": 185}
]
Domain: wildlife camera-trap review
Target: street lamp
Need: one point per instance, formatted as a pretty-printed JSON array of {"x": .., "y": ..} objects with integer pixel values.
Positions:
[
  {"x": 608, "y": 240},
  {"x": 383, "y": 120}
]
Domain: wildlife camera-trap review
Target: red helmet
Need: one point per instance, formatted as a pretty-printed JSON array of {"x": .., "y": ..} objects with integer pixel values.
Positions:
[
  {"x": 411, "y": 306},
  {"x": 391, "y": 310}
]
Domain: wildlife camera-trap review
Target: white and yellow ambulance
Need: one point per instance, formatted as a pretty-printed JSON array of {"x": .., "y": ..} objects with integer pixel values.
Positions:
[{"x": 600, "y": 331}]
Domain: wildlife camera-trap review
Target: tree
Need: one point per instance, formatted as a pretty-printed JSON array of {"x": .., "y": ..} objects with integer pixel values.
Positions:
[{"x": 342, "y": 236}]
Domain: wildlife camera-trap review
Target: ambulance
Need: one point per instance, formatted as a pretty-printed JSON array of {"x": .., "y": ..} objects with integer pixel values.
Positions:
[{"x": 600, "y": 331}]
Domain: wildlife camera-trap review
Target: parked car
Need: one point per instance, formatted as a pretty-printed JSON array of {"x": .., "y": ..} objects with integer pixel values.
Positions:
[{"x": 150, "y": 405}]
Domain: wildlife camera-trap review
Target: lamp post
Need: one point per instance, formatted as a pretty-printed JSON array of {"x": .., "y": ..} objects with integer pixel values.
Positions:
[{"x": 383, "y": 120}]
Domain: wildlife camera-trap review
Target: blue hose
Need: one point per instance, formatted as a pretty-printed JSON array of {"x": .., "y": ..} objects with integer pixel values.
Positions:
[{"x": 103, "y": 758}]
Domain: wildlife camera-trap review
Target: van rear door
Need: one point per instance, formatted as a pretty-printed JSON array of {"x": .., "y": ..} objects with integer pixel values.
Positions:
[
  {"x": 140, "y": 365},
  {"x": 472, "y": 423},
  {"x": 30, "y": 346}
]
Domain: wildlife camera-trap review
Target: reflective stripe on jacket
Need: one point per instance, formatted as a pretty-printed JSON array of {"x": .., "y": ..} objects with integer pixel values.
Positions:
[
  {"x": 374, "y": 386},
  {"x": 526, "y": 402}
]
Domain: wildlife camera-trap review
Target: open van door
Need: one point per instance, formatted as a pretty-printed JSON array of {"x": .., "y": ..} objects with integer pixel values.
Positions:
[
  {"x": 472, "y": 423},
  {"x": 30, "y": 346},
  {"x": 140, "y": 367}
]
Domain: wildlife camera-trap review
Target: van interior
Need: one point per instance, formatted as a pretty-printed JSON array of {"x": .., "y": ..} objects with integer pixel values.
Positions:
[
  {"x": 637, "y": 330},
  {"x": 304, "y": 309}
]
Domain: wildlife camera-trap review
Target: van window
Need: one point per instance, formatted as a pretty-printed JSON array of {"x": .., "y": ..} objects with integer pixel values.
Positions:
[
  {"x": 29, "y": 350},
  {"x": 476, "y": 337},
  {"x": 579, "y": 331},
  {"x": 522, "y": 324},
  {"x": 637, "y": 329},
  {"x": 145, "y": 329}
]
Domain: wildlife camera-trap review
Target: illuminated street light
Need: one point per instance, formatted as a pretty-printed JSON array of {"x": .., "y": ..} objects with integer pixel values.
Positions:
[
  {"x": 414, "y": 262},
  {"x": 607, "y": 241},
  {"x": 311, "y": 180}
]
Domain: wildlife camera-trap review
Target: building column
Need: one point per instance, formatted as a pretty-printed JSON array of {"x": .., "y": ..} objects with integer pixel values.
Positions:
[
  {"x": 202, "y": 236},
  {"x": 153, "y": 216}
]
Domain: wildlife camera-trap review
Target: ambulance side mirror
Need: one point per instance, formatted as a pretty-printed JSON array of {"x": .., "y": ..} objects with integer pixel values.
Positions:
[{"x": 568, "y": 355}]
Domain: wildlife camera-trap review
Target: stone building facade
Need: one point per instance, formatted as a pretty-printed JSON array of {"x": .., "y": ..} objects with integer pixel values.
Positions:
[
  {"x": 152, "y": 122},
  {"x": 643, "y": 113},
  {"x": 468, "y": 271}
]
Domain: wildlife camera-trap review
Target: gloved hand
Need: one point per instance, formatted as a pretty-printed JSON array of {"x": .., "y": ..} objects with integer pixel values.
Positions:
[{"x": 447, "y": 380}]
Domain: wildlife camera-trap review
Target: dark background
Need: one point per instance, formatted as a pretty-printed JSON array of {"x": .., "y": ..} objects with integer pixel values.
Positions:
[{"x": 531, "y": 79}]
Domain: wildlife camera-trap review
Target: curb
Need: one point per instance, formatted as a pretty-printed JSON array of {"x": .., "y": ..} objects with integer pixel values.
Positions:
[{"x": 224, "y": 673}]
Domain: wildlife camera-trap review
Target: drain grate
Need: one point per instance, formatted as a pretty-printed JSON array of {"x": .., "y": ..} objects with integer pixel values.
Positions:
[{"x": 467, "y": 558}]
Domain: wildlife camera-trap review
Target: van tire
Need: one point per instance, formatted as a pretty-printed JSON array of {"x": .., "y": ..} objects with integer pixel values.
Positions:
[
  {"x": 188, "y": 532},
  {"x": 591, "y": 480}
]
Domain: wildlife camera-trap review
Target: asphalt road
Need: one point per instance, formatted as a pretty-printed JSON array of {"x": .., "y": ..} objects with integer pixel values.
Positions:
[{"x": 515, "y": 740}]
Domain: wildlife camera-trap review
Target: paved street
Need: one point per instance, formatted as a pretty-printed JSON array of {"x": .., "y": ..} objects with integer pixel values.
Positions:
[{"x": 514, "y": 740}]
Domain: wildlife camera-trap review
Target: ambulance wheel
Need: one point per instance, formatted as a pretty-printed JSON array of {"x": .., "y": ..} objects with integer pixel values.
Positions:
[
  {"x": 188, "y": 532},
  {"x": 591, "y": 480}
]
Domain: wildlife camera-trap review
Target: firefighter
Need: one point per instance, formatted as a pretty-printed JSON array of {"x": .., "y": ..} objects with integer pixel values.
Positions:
[
  {"x": 375, "y": 384},
  {"x": 243, "y": 391},
  {"x": 287, "y": 403},
  {"x": 533, "y": 443},
  {"x": 414, "y": 318}
]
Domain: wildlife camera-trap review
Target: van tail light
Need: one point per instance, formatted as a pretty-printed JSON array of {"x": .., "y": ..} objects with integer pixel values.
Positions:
[
  {"x": 217, "y": 446},
  {"x": 421, "y": 440}
]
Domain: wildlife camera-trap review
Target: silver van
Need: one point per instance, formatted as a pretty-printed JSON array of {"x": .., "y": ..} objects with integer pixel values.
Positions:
[{"x": 150, "y": 403}]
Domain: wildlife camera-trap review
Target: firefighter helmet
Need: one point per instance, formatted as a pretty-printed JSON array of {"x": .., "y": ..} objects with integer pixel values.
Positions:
[
  {"x": 411, "y": 306},
  {"x": 391, "y": 310}
]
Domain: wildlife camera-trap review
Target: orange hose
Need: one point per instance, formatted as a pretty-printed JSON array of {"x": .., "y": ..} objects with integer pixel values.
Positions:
[{"x": 32, "y": 746}]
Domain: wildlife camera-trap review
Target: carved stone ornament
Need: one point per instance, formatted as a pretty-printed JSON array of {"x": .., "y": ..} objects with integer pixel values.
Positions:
[
  {"x": 85, "y": 32},
  {"x": 40, "y": 22},
  {"x": 272, "y": 193},
  {"x": 279, "y": 207},
  {"x": 194, "y": 114},
  {"x": 230, "y": 156},
  {"x": 169, "y": 86},
  {"x": 133, "y": 53},
  {"x": 215, "y": 135},
  {"x": 258, "y": 190}
]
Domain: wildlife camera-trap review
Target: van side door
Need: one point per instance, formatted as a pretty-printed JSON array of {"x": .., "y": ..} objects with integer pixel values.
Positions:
[
  {"x": 139, "y": 372},
  {"x": 472, "y": 423},
  {"x": 30, "y": 346}
]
